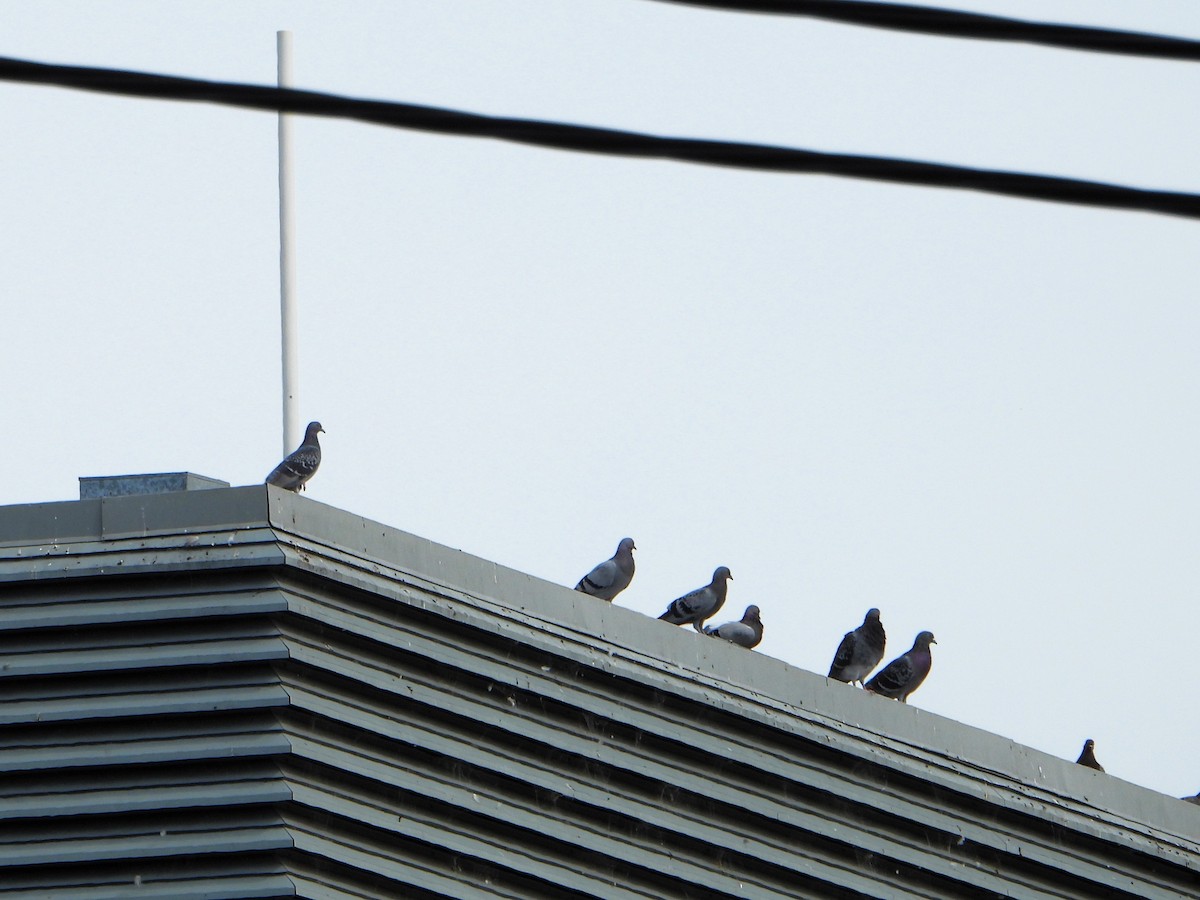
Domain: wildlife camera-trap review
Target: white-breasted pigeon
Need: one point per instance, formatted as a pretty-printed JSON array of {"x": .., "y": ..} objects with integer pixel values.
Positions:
[
  {"x": 1087, "y": 756},
  {"x": 301, "y": 464},
  {"x": 904, "y": 674},
  {"x": 746, "y": 633},
  {"x": 694, "y": 607},
  {"x": 860, "y": 650},
  {"x": 612, "y": 576}
]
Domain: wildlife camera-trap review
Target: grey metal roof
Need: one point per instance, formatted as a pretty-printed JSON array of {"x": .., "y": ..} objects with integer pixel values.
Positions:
[{"x": 244, "y": 693}]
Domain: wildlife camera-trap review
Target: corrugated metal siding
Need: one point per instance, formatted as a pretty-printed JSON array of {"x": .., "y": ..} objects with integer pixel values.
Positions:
[{"x": 287, "y": 700}]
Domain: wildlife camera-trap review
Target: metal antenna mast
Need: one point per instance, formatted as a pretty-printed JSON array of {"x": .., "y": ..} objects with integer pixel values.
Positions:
[{"x": 287, "y": 258}]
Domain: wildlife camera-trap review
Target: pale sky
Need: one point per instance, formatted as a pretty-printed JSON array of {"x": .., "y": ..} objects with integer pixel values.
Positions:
[{"x": 978, "y": 414}]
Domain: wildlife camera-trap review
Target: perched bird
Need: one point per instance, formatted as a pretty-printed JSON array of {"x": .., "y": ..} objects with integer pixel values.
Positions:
[
  {"x": 301, "y": 464},
  {"x": 904, "y": 674},
  {"x": 746, "y": 633},
  {"x": 1193, "y": 799},
  {"x": 701, "y": 603},
  {"x": 860, "y": 650},
  {"x": 612, "y": 576},
  {"x": 1087, "y": 756}
]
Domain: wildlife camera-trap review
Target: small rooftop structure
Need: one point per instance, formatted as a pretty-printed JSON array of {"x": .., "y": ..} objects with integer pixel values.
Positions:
[
  {"x": 93, "y": 488},
  {"x": 242, "y": 692}
]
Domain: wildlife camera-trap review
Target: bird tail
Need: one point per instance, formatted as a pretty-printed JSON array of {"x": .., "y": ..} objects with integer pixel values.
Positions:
[{"x": 674, "y": 615}]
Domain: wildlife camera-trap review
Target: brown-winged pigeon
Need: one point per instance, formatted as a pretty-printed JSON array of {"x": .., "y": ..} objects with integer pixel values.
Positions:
[{"x": 1087, "y": 756}]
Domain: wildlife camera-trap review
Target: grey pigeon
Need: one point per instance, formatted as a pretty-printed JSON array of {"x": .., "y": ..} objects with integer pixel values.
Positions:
[
  {"x": 860, "y": 651},
  {"x": 1087, "y": 756},
  {"x": 904, "y": 674},
  {"x": 1194, "y": 799},
  {"x": 693, "y": 608},
  {"x": 746, "y": 633},
  {"x": 612, "y": 576},
  {"x": 301, "y": 464}
]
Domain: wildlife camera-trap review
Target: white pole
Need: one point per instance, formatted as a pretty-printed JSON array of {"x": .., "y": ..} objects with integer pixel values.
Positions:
[{"x": 287, "y": 258}]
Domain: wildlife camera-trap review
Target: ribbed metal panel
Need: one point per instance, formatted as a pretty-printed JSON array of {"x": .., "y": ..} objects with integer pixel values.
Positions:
[{"x": 253, "y": 695}]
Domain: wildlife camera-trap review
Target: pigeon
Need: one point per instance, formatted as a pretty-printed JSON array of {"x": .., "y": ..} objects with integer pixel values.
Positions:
[
  {"x": 612, "y": 576},
  {"x": 1087, "y": 756},
  {"x": 746, "y": 633},
  {"x": 300, "y": 465},
  {"x": 860, "y": 651},
  {"x": 1194, "y": 799},
  {"x": 701, "y": 603},
  {"x": 904, "y": 674}
]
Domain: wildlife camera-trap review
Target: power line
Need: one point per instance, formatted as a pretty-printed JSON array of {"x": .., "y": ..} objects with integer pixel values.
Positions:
[
  {"x": 978, "y": 26},
  {"x": 608, "y": 141}
]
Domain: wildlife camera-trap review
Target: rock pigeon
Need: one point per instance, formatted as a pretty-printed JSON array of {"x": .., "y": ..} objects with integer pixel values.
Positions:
[
  {"x": 904, "y": 674},
  {"x": 300, "y": 465},
  {"x": 746, "y": 633},
  {"x": 612, "y": 576},
  {"x": 701, "y": 603},
  {"x": 1087, "y": 756},
  {"x": 1194, "y": 799},
  {"x": 860, "y": 651}
]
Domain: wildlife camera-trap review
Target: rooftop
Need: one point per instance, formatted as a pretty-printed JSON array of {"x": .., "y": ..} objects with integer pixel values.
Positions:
[{"x": 341, "y": 618}]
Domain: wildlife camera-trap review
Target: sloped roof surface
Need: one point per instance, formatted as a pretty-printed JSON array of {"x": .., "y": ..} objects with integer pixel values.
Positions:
[{"x": 243, "y": 693}]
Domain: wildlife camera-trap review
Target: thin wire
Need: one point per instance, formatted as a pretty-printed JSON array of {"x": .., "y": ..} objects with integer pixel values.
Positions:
[
  {"x": 977, "y": 26},
  {"x": 604, "y": 140}
]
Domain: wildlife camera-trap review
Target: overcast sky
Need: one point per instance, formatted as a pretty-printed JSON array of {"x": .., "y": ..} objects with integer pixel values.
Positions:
[{"x": 978, "y": 414}]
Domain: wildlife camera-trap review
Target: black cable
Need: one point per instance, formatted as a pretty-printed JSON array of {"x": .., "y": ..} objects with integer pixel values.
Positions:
[
  {"x": 602, "y": 140},
  {"x": 953, "y": 23}
]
